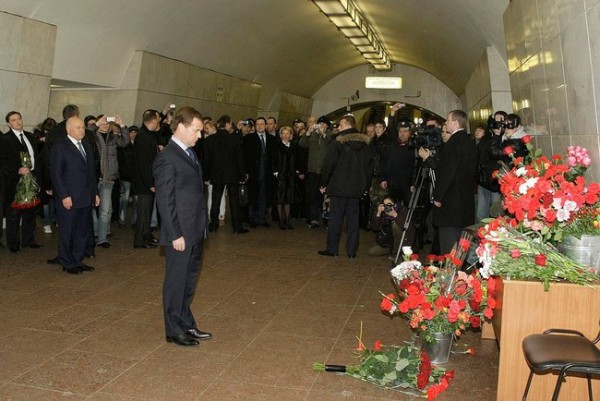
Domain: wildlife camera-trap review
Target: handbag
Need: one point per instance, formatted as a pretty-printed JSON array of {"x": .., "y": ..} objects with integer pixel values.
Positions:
[
  {"x": 384, "y": 237},
  {"x": 243, "y": 194}
]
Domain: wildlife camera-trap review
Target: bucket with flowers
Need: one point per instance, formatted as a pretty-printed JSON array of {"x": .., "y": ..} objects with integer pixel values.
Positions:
[
  {"x": 546, "y": 200},
  {"x": 440, "y": 301}
]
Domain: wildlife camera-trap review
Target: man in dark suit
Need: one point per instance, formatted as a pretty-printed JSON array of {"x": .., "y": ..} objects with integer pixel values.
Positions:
[
  {"x": 453, "y": 200},
  {"x": 12, "y": 144},
  {"x": 145, "y": 149},
  {"x": 224, "y": 166},
  {"x": 182, "y": 209},
  {"x": 258, "y": 148},
  {"x": 73, "y": 174}
]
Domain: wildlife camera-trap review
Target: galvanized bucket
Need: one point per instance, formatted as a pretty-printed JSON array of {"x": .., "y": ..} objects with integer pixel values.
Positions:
[
  {"x": 585, "y": 250},
  {"x": 439, "y": 352}
]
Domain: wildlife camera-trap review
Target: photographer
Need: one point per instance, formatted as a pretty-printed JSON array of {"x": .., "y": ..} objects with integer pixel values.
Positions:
[
  {"x": 488, "y": 190},
  {"x": 454, "y": 204},
  {"x": 397, "y": 169},
  {"x": 387, "y": 222}
]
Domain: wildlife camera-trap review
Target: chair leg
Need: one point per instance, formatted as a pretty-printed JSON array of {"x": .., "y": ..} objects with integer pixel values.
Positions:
[
  {"x": 528, "y": 384},
  {"x": 589, "y": 380},
  {"x": 561, "y": 378}
]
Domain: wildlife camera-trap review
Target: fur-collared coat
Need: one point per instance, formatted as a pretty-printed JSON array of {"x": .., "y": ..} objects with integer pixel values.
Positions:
[{"x": 348, "y": 166}]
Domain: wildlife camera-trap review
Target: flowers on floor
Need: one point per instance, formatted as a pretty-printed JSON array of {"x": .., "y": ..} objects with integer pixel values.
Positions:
[
  {"x": 401, "y": 368},
  {"x": 26, "y": 194},
  {"x": 438, "y": 298},
  {"x": 507, "y": 252}
]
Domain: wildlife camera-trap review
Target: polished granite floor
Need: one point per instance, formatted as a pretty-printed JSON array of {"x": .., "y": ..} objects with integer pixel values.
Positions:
[{"x": 272, "y": 303}]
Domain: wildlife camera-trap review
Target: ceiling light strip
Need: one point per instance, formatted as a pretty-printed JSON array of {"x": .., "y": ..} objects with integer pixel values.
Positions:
[{"x": 349, "y": 20}]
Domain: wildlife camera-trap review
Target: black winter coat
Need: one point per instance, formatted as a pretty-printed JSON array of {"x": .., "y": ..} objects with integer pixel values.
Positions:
[
  {"x": 348, "y": 166},
  {"x": 455, "y": 178}
]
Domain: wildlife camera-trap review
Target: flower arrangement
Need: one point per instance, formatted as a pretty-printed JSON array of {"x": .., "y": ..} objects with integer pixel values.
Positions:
[
  {"x": 546, "y": 200},
  {"x": 400, "y": 368},
  {"x": 544, "y": 195},
  {"x": 439, "y": 299},
  {"x": 505, "y": 251},
  {"x": 26, "y": 194}
]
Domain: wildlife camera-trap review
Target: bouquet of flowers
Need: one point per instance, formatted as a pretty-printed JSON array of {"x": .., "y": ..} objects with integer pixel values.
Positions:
[
  {"x": 437, "y": 298},
  {"x": 505, "y": 251},
  {"x": 403, "y": 368},
  {"x": 544, "y": 195},
  {"x": 26, "y": 194}
]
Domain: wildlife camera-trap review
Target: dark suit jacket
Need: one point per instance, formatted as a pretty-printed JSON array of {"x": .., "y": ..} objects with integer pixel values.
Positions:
[
  {"x": 223, "y": 162},
  {"x": 71, "y": 175},
  {"x": 455, "y": 180},
  {"x": 179, "y": 196},
  {"x": 145, "y": 148},
  {"x": 10, "y": 161},
  {"x": 252, "y": 149}
]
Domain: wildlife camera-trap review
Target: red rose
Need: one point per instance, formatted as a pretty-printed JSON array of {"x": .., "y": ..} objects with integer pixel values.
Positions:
[
  {"x": 475, "y": 321},
  {"x": 508, "y": 150},
  {"x": 540, "y": 259},
  {"x": 526, "y": 139}
]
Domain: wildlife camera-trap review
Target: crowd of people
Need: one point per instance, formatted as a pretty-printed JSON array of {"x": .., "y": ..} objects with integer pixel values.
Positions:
[{"x": 314, "y": 171}]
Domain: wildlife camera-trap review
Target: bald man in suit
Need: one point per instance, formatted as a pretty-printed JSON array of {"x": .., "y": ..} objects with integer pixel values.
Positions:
[
  {"x": 73, "y": 174},
  {"x": 182, "y": 209}
]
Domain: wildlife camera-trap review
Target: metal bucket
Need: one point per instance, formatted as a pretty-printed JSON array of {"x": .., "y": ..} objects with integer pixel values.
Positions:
[
  {"x": 439, "y": 352},
  {"x": 585, "y": 250}
]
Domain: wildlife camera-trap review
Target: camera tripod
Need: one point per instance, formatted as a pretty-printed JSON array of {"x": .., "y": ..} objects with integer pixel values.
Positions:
[{"x": 422, "y": 175}]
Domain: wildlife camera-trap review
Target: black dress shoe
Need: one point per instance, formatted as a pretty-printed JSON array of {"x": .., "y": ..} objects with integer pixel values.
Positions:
[
  {"x": 104, "y": 245},
  {"x": 266, "y": 225},
  {"x": 145, "y": 246},
  {"x": 14, "y": 248},
  {"x": 90, "y": 255},
  {"x": 252, "y": 225},
  {"x": 198, "y": 335},
  {"x": 86, "y": 268},
  {"x": 183, "y": 340},
  {"x": 53, "y": 261},
  {"x": 72, "y": 270},
  {"x": 326, "y": 253},
  {"x": 351, "y": 256},
  {"x": 241, "y": 231},
  {"x": 33, "y": 245},
  {"x": 152, "y": 240},
  {"x": 282, "y": 227}
]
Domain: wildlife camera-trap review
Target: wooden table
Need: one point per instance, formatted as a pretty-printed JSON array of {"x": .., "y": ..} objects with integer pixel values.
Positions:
[{"x": 524, "y": 308}]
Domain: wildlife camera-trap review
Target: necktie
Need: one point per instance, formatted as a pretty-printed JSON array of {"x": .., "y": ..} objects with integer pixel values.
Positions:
[
  {"x": 80, "y": 147},
  {"x": 192, "y": 155},
  {"x": 262, "y": 142},
  {"x": 25, "y": 148}
]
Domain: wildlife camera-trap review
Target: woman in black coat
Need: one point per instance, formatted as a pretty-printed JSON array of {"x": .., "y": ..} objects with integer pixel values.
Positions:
[{"x": 284, "y": 170}]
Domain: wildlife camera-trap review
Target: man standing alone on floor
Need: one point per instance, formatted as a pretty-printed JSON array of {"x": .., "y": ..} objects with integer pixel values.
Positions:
[
  {"x": 182, "y": 208},
  {"x": 346, "y": 176}
]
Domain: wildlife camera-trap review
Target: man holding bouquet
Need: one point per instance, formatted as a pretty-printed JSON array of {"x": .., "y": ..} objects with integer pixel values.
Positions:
[{"x": 18, "y": 158}]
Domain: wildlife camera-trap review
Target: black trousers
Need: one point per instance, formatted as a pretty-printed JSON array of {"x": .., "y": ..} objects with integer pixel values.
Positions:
[
  {"x": 75, "y": 228},
  {"x": 145, "y": 203},
  {"x": 26, "y": 219},
  {"x": 181, "y": 276},
  {"x": 314, "y": 197},
  {"x": 448, "y": 237},
  {"x": 234, "y": 204},
  {"x": 338, "y": 209}
]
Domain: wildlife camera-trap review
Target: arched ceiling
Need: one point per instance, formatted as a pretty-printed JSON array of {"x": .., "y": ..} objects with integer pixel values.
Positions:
[{"x": 285, "y": 44}]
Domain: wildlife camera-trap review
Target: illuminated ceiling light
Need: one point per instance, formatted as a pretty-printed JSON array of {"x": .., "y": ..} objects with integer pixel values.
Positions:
[{"x": 349, "y": 19}]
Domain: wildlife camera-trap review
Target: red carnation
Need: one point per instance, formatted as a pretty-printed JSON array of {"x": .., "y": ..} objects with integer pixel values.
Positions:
[
  {"x": 526, "y": 139},
  {"x": 515, "y": 253},
  {"x": 508, "y": 150},
  {"x": 540, "y": 259},
  {"x": 386, "y": 303},
  {"x": 414, "y": 256},
  {"x": 464, "y": 244},
  {"x": 377, "y": 345}
]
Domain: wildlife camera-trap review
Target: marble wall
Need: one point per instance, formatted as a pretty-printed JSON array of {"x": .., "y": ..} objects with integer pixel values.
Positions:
[
  {"x": 25, "y": 67},
  {"x": 154, "y": 81},
  {"x": 488, "y": 88},
  {"x": 553, "y": 49},
  {"x": 418, "y": 88}
]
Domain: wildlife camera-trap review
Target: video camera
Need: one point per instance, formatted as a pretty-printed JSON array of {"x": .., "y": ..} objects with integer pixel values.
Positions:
[{"x": 429, "y": 137}]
